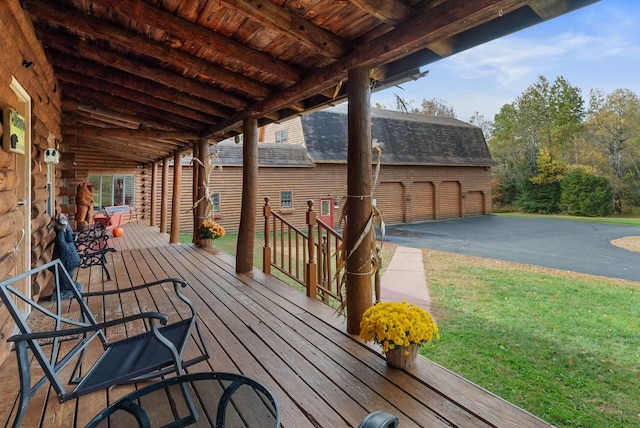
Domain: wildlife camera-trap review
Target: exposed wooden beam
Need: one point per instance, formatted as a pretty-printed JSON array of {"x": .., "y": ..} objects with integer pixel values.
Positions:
[
  {"x": 128, "y": 107},
  {"x": 394, "y": 13},
  {"x": 147, "y": 14},
  {"x": 548, "y": 9},
  {"x": 133, "y": 133},
  {"x": 76, "y": 47},
  {"x": 145, "y": 46},
  {"x": 62, "y": 61},
  {"x": 84, "y": 82},
  {"x": 443, "y": 21},
  {"x": 279, "y": 18}
]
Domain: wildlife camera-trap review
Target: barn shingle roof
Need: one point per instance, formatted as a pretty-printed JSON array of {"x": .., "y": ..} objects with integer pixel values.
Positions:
[
  {"x": 269, "y": 154},
  {"x": 406, "y": 138}
]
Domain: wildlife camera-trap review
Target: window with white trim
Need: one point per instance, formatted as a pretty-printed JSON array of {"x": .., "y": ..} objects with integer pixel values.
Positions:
[
  {"x": 286, "y": 200},
  {"x": 215, "y": 202}
]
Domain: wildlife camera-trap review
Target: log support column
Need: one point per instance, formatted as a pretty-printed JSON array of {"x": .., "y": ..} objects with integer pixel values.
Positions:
[
  {"x": 174, "y": 236},
  {"x": 203, "y": 184},
  {"x": 164, "y": 195},
  {"x": 154, "y": 189},
  {"x": 359, "y": 188},
  {"x": 246, "y": 234}
]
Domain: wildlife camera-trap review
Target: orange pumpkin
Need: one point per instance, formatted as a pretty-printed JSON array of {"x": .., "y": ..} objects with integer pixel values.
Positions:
[{"x": 118, "y": 232}]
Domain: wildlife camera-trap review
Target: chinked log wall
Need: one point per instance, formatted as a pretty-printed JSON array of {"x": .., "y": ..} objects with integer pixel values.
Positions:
[
  {"x": 399, "y": 194},
  {"x": 18, "y": 43}
]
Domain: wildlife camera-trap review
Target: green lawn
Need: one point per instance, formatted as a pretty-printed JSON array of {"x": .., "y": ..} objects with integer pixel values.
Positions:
[
  {"x": 627, "y": 221},
  {"x": 565, "y": 347}
]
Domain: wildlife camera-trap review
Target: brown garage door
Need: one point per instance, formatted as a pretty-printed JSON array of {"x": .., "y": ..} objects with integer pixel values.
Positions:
[
  {"x": 422, "y": 202},
  {"x": 474, "y": 203},
  {"x": 450, "y": 203},
  {"x": 390, "y": 201}
]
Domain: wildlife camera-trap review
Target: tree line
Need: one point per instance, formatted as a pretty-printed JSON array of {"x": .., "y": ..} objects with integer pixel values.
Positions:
[{"x": 554, "y": 152}]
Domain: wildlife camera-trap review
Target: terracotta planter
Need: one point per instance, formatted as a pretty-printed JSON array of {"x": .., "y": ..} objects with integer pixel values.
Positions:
[
  {"x": 404, "y": 357},
  {"x": 206, "y": 242}
]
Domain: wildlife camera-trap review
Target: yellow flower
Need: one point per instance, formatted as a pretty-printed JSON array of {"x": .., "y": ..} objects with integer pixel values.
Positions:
[
  {"x": 394, "y": 324},
  {"x": 211, "y": 229}
]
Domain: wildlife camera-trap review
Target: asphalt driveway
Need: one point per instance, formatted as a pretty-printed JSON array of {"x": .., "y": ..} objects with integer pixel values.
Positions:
[{"x": 555, "y": 243}]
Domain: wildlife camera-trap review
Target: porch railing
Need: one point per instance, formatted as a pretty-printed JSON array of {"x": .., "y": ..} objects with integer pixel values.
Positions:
[{"x": 307, "y": 257}]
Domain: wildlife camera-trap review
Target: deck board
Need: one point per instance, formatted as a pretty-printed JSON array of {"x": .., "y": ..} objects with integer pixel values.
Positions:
[{"x": 258, "y": 326}]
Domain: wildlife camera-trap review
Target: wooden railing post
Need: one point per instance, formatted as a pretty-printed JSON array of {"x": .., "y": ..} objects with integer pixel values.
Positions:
[
  {"x": 266, "y": 250},
  {"x": 377, "y": 275},
  {"x": 323, "y": 263},
  {"x": 311, "y": 277}
]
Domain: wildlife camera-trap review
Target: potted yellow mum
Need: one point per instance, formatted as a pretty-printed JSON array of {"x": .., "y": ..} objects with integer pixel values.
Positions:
[
  {"x": 210, "y": 230},
  {"x": 400, "y": 328}
]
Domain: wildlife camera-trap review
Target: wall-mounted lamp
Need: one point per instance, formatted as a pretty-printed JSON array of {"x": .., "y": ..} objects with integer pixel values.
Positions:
[{"x": 27, "y": 64}]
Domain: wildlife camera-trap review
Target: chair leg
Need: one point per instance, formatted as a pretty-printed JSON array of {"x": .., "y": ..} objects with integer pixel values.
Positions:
[
  {"x": 25, "y": 382},
  {"x": 104, "y": 267}
]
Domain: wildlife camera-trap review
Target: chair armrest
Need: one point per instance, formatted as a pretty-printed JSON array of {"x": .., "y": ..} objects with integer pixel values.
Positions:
[
  {"x": 90, "y": 328},
  {"x": 177, "y": 284}
]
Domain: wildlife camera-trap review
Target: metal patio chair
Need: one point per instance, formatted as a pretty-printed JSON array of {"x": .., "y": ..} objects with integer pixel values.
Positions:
[{"x": 157, "y": 351}]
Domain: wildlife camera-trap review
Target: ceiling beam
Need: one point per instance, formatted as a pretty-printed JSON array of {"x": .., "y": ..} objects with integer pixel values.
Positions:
[
  {"x": 80, "y": 48},
  {"x": 163, "y": 53},
  {"x": 443, "y": 21},
  {"x": 83, "y": 82},
  {"x": 283, "y": 20},
  {"x": 63, "y": 62},
  {"x": 394, "y": 13},
  {"x": 147, "y": 14},
  {"x": 93, "y": 131}
]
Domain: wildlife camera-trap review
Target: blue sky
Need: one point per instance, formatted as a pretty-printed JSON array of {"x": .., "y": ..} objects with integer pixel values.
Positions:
[{"x": 596, "y": 47}]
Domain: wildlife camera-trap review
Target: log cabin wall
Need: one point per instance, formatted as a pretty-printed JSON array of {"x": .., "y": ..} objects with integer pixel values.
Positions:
[
  {"x": 22, "y": 60},
  {"x": 399, "y": 194}
]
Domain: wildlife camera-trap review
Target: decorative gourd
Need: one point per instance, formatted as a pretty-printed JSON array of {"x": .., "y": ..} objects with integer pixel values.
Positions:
[{"x": 118, "y": 232}]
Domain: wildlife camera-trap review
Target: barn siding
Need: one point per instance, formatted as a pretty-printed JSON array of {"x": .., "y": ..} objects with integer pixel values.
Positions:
[{"x": 396, "y": 183}]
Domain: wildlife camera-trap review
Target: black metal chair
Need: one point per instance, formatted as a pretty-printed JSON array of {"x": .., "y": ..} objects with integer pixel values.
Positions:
[
  {"x": 155, "y": 352},
  {"x": 215, "y": 399},
  {"x": 379, "y": 419},
  {"x": 93, "y": 245}
]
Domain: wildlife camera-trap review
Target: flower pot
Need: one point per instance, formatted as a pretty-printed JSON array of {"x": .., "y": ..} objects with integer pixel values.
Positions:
[
  {"x": 403, "y": 357},
  {"x": 206, "y": 242}
]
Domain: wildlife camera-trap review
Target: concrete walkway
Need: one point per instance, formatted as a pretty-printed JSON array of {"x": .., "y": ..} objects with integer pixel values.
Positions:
[{"x": 404, "y": 279}]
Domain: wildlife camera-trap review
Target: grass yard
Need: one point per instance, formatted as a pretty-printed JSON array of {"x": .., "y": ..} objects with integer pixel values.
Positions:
[{"x": 564, "y": 346}]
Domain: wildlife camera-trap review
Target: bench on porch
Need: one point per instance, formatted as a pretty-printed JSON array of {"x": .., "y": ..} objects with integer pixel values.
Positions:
[
  {"x": 93, "y": 245},
  {"x": 67, "y": 338}
]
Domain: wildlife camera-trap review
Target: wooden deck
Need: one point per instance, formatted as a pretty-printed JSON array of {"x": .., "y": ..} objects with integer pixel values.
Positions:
[{"x": 258, "y": 326}]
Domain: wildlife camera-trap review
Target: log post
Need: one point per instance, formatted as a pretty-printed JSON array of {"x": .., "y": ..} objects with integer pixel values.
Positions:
[
  {"x": 195, "y": 168},
  {"x": 247, "y": 231},
  {"x": 266, "y": 250},
  {"x": 311, "y": 273},
  {"x": 359, "y": 188},
  {"x": 203, "y": 185},
  {"x": 154, "y": 187},
  {"x": 174, "y": 236},
  {"x": 164, "y": 195}
]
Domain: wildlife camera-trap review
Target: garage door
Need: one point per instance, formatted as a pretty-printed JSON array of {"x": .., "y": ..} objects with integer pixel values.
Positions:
[
  {"x": 390, "y": 201},
  {"x": 450, "y": 200},
  {"x": 422, "y": 202},
  {"x": 474, "y": 204}
]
